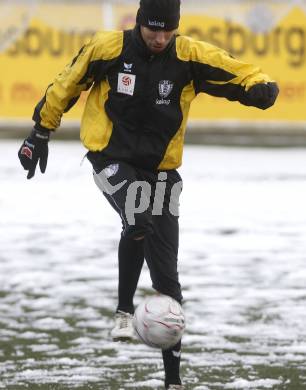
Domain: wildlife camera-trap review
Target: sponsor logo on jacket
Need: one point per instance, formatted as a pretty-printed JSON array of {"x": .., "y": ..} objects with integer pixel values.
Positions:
[
  {"x": 126, "y": 83},
  {"x": 127, "y": 67}
]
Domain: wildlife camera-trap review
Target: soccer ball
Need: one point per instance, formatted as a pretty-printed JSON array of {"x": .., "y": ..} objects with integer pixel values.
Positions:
[{"x": 159, "y": 321}]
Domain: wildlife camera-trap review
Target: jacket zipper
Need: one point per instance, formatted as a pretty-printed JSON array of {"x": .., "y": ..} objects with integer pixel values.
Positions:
[{"x": 145, "y": 103}]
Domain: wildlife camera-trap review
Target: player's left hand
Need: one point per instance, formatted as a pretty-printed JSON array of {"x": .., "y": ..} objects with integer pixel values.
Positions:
[
  {"x": 263, "y": 95},
  {"x": 33, "y": 150}
]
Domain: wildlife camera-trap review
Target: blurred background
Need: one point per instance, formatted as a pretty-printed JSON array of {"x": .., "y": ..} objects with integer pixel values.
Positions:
[{"x": 39, "y": 37}]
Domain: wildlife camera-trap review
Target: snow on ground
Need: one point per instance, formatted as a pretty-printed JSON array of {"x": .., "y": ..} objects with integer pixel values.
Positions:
[{"x": 242, "y": 265}]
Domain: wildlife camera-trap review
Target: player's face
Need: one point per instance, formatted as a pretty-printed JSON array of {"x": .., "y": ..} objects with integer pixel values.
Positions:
[{"x": 158, "y": 40}]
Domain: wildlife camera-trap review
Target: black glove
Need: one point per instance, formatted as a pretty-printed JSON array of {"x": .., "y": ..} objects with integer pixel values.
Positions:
[
  {"x": 34, "y": 149},
  {"x": 262, "y": 95}
]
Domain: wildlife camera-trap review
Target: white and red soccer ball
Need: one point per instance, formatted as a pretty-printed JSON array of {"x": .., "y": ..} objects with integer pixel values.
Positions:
[{"x": 159, "y": 321}]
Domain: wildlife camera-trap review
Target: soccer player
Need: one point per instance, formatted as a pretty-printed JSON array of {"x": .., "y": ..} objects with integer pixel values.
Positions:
[{"x": 142, "y": 84}]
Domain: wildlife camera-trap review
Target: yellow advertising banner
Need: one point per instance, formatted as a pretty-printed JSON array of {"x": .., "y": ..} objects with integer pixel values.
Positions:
[
  {"x": 280, "y": 52},
  {"x": 272, "y": 38},
  {"x": 54, "y": 35}
]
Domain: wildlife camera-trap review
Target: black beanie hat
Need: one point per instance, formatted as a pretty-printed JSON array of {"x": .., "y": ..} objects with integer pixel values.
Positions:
[{"x": 159, "y": 14}]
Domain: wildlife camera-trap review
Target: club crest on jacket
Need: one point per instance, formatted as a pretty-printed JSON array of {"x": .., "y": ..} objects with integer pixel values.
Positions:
[{"x": 165, "y": 87}]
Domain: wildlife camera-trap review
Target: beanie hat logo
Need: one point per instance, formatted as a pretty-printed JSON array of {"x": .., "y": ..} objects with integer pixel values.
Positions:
[
  {"x": 155, "y": 23},
  {"x": 159, "y": 14}
]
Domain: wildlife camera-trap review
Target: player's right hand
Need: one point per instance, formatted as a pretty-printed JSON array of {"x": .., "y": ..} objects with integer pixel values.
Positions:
[{"x": 33, "y": 150}]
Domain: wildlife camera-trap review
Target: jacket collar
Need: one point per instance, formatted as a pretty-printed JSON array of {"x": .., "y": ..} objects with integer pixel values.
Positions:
[{"x": 142, "y": 48}]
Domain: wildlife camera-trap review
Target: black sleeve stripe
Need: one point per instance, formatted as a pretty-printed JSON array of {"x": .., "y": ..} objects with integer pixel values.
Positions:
[
  {"x": 71, "y": 103},
  {"x": 36, "y": 115},
  {"x": 77, "y": 56},
  {"x": 229, "y": 91},
  {"x": 234, "y": 92},
  {"x": 209, "y": 72},
  {"x": 90, "y": 73},
  {"x": 97, "y": 70}
]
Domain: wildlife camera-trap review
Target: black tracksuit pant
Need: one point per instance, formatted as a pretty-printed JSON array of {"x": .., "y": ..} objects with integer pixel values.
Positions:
[{"x": 147, "y": 203}]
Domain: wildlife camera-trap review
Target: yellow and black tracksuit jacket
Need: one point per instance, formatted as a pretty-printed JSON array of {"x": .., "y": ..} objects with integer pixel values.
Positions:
[{"x": 138, "y": 105}]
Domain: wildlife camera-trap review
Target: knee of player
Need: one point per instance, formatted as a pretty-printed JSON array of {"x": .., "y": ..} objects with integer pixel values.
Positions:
[{"x": 140, "y": 229}]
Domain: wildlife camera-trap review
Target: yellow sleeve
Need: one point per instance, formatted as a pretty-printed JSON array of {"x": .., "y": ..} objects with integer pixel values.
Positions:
[
  {"x": 216, "y": 72},
  {"x": 87, "y": 67}
]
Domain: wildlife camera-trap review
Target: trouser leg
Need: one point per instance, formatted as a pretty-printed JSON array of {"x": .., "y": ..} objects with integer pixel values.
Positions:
[
  {"x": 130, "y": 250},
  {"x": 161, "y": 253},
  {"x": 162, "y": 262},
  {"x": 161, "y": 247},
  {"x": 130, "y": 258},
  {"x": 172, "y": 361}
]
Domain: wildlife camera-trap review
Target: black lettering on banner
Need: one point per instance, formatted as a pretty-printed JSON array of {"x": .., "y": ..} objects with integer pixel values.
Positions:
[
  {"x": 213, "y": 36},
  {"x": 260, "y": 43},
  {"x": 295, "y": 41},
  {"x": 239, "y": 41},
  {"x": 33, "y": 42},
  {"x": 36, "y": 42},
  {"x": 276, "y": 39},
  {"x": 55, "y": 43},
  {"x": 236, "y": 42}
]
